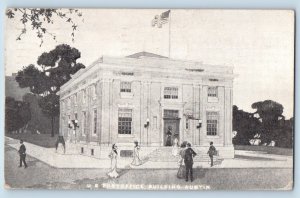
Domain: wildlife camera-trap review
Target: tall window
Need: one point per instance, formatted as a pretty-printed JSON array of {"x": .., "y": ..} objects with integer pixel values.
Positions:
[
  {"x": 212, "y": 123},
  {"x": 63, "y": 105},
  {"x": 187, "y": 124},
  {"x": 171, "y": 93},
  {"x": 69, "y": 102},
  {"x": 125, "y": 121},
  {"x": 95, "y": 122},
  {"x": 83, "y": 96},
  {"x": 94, "y": 94},
  {"x": 155, "y": 121},
  {"x": 212, "y": 92},
  {"x": 83, "y": 122},
  {"x": 75, "y": 99},
  {"x": 125, "y": 87},
  {"x": 75, "y": 116}
]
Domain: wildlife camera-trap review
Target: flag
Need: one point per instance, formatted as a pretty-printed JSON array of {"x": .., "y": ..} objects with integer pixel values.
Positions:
[{"x": 159, "y": 20}]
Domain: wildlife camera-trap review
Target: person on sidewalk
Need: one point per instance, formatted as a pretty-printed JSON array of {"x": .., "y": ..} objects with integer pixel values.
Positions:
[
  {"x": 189, "y": 154},
  {"x": 175, "y": 149},
  {"x": 169, "y": 136},
  {"x": 136, "y": 155},
  {"x": 113, "y": 157},
  {"x": 22, "y": 153},
  {"x": 211, "y": 152},
  {"x": 60, "y": 139},
  {"x": 181, "y": 170}
]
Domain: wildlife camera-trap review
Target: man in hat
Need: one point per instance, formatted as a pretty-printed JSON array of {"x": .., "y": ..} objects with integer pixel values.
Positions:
[
  {"x": 22, "y": 153},
  {"x": 189, "y": 154},
  {"x": 211, "y": 152}
]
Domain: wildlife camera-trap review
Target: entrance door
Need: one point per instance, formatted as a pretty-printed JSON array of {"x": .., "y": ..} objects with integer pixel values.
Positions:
[{"x": 171, "y": 127}]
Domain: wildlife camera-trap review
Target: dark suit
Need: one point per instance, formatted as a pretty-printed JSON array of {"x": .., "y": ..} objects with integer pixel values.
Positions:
[
  {"x": 188, "y": 161},
  {"x": 22, "y": 153},
  {"x": 211, "y": 152}
]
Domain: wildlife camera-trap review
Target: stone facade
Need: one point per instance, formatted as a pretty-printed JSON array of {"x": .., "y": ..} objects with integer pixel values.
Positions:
[{"x": 143, "y": 96}]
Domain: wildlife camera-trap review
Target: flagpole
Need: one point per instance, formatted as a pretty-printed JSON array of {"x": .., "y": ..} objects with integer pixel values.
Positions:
[{"x": 170, "y": 35}]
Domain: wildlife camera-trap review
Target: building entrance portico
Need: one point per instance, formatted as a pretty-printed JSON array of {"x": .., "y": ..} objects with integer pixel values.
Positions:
[{"x": 171, "y": 127}]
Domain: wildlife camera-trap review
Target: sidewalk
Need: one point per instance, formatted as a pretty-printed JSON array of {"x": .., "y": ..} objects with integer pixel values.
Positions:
[{"x": 247, "y": 159}]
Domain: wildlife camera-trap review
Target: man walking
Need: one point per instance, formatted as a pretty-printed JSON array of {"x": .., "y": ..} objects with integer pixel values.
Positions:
[
  {"x": 22, "y": 153},
  {"x": 211, "y": 152},
  {"x": 188, "y": 161}
]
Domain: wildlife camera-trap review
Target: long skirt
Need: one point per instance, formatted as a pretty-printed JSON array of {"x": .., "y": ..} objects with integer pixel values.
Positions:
[
  {"x": 169, "y": 141},
  {"x": 113, "y": 171},
  {"x": 181, "y": 172},
  {"x": 136, "y": 161}
]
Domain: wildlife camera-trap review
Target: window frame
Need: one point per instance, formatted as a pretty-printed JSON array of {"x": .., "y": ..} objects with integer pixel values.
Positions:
[
  {"x": 83, "y": 123},
  {"x": 125, "y": 122},
  {"x": 212, "y": 122},
  {"x": 95, "y": 121},
  {"x": 125, "y": 87},
  {"x": 171, "y": 92},
  {"x": 212, "y": 92},
  {"x": 94, "y": 92},
  {"x": 75, "y": 99},
  {"x": 69, "y": 103},
  {"x": 83, "y": 96}
]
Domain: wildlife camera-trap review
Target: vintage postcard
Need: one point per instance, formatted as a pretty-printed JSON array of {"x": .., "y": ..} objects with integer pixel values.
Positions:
[{"x": 149, "y": 99}]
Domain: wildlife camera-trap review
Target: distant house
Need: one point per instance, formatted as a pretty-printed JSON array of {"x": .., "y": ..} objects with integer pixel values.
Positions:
[{"x": 144, "y": 96}]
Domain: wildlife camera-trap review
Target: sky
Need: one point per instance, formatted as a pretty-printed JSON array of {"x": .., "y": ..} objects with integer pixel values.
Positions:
[{"x": 259, "y": 44}]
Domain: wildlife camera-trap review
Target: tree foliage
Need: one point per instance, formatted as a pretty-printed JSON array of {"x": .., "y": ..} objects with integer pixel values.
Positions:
[
  {"x": 50, "y": 105},
  {"x": 39, "y": 18},
  {"x": 267, "y": 124},
  {"x": 54, "y": 69},
  {"x": 270, "y": 112},
  {"x": 60, "y": 64},
  {"x": 17, "y": 114},
  {"x": 33, "y": 78},
  {"x": 246, "y": 126}
]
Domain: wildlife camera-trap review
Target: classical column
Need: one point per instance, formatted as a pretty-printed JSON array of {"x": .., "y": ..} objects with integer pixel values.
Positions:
[
  {"x": 196, "y": 113},
  {"x": 105, "y": 111},
  {"x": 148, "y": 112},
  {"x": 228, "y": 116},
  {"x": 110, "y": 110},
  {"x": 145, "y": 108},
  {"x": 200, "y": 112}
]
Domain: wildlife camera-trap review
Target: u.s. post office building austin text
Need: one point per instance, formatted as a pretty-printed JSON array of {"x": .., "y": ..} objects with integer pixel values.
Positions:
[{"x": 142, "y": 97}]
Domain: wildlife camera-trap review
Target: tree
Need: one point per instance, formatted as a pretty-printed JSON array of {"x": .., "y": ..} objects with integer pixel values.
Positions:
[
  {"x": 33, "y": 78},
  {"x": 59, "y": 64},
  {"x": 40, "y": 122},
  {"x": 284, "y": 133},
  {"x": 50, "y": 107},
  {"x": 17, "y": 114},
  {"x": 54, "y": 69},
  {"x": 246, "y": 126},
  {"x": 270, "y": 112},
  {"x": 39, "y": 19}
]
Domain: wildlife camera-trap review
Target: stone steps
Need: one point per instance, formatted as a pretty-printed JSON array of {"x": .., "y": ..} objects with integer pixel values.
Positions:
[{"x": 164, "y": 154}]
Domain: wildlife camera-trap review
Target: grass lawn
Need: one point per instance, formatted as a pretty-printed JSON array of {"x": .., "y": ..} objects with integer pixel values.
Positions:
[
  {"x": 268, "y": 149},
  {"x": 44, "y": 140}
]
